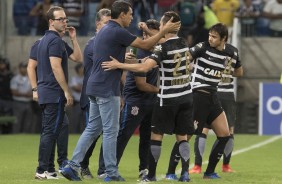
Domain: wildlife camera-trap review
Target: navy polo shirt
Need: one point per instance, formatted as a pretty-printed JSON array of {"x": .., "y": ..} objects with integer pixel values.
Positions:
[
  {"x": 33, "y": 50},
  {"x": 51, "y": 45},
  {"x": 111, "y": 40},
  {"x": 87, "y": 63},
  {"x": 132, "y": 94}
]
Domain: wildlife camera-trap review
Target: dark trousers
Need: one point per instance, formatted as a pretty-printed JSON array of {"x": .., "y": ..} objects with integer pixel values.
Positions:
[
  {"x": 62, "y": 141},
  {"x": 52, "y": 119},
  {"x": 131, "y": 117}
]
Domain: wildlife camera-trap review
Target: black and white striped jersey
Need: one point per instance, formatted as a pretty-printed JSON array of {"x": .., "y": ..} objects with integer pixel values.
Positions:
[
  {"x": 213, "y": 66},
  {"x": 171, "y": 57}
]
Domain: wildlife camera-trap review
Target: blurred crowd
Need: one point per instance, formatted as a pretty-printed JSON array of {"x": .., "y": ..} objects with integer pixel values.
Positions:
[{"x": 258, "y": 17}]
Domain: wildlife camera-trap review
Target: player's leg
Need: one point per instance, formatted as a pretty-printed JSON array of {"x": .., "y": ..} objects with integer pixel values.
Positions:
[
  {"x": 229, "y": 106},
  {"x": 220, "y": 127},
  {"x": 199, "y": 148},
  {"x": 144, "y": 143}
]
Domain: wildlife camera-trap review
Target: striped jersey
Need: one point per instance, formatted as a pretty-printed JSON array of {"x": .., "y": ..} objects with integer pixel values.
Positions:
[
  {"x": 213, "y": 67},
  {"x": 171, "y": 56}
]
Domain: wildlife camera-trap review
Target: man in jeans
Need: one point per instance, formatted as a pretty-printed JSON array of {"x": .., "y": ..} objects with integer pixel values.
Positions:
[{"x": 103, "y": 88}]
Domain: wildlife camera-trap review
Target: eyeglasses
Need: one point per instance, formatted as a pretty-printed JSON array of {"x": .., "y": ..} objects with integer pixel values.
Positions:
[{"x": 62, "y": 19}]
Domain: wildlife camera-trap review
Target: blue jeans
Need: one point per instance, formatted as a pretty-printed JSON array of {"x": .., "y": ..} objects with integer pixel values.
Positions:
[{"x": 103, "y": 116}]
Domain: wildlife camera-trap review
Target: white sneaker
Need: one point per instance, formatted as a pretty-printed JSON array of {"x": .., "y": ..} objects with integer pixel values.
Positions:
[
  {"x": 46, "y": 176},
  {"x": 102, "y": 176},
  {"x": 143, "y": 173}
]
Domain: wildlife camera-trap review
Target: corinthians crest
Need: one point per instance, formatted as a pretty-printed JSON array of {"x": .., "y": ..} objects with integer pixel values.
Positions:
[{"x": 134, "y": 110}]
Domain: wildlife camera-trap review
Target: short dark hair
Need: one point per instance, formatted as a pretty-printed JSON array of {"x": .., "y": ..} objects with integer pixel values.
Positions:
[
  {"x": 119, "y": 7},
  {"x": 221, "y": 29},
  {"x": 103, "y": 12},
  {"x": 167, "y": 16},
  {"x": 153, "y": 24},
  {"x": 50, "y": 12}
]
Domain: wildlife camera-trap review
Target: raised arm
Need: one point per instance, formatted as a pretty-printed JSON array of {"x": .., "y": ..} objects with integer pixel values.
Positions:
[
  {"x": 150, "y": 42},
  {"x": 76, "y": 56}
]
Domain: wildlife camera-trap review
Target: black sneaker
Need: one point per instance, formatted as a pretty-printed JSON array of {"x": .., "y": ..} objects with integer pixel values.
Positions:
[
  {"x": 147, "y": 179},
  {"x": 86, "y": 174}
]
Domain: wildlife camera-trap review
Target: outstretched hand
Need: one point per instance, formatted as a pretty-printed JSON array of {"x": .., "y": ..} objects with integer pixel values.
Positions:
[
  {"x": 172, "y": 26},
  {"x": 110, "y": 65}
]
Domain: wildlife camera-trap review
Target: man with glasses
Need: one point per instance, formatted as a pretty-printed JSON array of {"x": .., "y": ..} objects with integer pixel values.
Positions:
[{"x": 53, "y": 91}]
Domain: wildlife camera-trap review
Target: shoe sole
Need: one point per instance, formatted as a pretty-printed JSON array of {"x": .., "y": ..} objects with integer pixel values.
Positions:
[
  {"x": 40, "y": 178},
  {"x": 66, "y": 175}
]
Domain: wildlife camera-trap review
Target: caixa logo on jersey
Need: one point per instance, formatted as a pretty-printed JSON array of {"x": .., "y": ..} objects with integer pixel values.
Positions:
[
  {"x": 270, "y": 109},
  {"x": 212, "y": 72}
]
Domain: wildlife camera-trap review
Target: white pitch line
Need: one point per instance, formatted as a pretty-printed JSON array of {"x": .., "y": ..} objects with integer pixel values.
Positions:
[{"x": 258, "y": 145}]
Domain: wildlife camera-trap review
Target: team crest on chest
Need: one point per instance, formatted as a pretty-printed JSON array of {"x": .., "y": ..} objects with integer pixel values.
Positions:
[{"x": 135, "y": 111}]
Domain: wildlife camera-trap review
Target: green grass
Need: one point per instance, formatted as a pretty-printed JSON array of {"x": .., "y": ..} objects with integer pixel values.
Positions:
[{"x": 19, "y": 154}]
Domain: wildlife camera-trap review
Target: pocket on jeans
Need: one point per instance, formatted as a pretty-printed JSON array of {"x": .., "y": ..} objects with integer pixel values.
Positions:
[{"x": 101, "y": 100}]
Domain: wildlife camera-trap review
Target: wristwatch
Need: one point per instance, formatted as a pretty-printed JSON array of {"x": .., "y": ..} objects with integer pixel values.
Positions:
[{"x": 34, "y": 89}]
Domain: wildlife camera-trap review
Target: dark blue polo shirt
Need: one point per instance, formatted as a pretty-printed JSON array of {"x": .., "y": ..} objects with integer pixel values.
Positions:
[
  {"x": 33, "y": 50},
  {"x": 132, "y": 95},
  {"x": 111, "y": 40},
  {"x": 51, "y": 45},
  {"x": 87, "y": 63}
]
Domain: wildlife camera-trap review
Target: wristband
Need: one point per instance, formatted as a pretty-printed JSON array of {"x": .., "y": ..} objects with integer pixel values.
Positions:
[{"x": 34, "y": 89}]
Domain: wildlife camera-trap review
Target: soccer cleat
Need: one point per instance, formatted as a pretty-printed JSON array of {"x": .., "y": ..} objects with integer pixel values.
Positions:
[
  {"x": 184, "y": 177},
  {"x": 46, "y": 176},
  {"x": 86, "y": 174},
  {"x": 171, "y": 177},
  {"x": 70, "y": 174},
  {"x": 113, "y": 178},
  {"x": 227, "y": 168},
  {"x": 64, "y": 163},
  {"x": 143, "y": 173},
  {"x": 147, "y": 179},
  {"x": 195, "y": 170},
  {"x": 211, "y": 176}
]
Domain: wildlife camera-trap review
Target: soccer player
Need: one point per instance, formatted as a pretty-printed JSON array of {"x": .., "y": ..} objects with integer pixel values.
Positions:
[
  {"x": 226, "y": 97},
  {"x": 173, "y": 112},
  {"x": 103, "y": 88},
  {"x": 139, "y": 94},
  {"x": 214, "y": 61},
  {"x": 53, "y": 91}
]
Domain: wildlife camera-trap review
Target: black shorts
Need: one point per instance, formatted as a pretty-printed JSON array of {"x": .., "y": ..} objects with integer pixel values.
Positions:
[
  {"x": 229, "y": 106},
  {"x": 206, "y": 109},
  {"x": 177, "y": 119}
]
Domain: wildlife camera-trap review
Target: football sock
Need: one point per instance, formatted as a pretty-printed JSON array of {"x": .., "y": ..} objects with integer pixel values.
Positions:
[
  {"x": 184, "y": 150},
  {"x": 174, "y": 159},
  {"x": 216, "y": 153},
  {"x": 154, "y": 156},
  {"x": 228, "y": 150},
  {"x": 199, "y": 148}
]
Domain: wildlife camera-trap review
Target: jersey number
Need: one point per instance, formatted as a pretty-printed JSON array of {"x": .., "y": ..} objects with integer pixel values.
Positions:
[{"x": 177, "y": 59}]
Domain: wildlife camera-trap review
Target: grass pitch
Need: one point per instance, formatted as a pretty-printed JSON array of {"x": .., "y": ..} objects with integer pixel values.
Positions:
[{"x": 257, "y": 160}]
